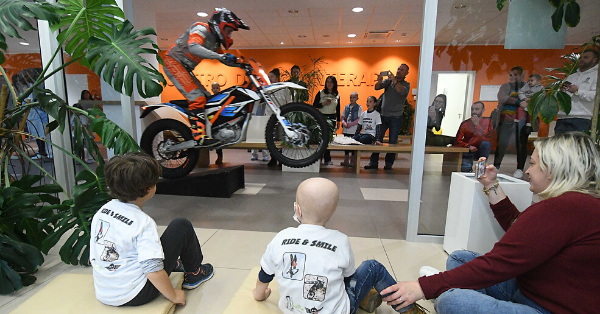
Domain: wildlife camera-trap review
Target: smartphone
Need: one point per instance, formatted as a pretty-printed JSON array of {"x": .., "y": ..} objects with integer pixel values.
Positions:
[
  {"x": 385, "y": 73},
  {"x": 480, "y": 169}
]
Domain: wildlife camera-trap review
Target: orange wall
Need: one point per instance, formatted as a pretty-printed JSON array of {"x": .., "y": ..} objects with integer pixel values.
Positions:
[{"x": 356, "y": 68}]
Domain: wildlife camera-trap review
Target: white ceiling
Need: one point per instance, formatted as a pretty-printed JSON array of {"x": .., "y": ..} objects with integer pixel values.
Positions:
[{"x": 326, "y": 23}]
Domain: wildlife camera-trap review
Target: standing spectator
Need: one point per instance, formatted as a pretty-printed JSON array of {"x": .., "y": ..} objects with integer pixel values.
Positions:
[
  {"x": 215, "y": 88},
  {"x": 349, "y": 123},
  {"x": 396, "y": 89},
  {"x": 534, "y": 85},
  {"x": 296, "y": 77},
  {"x": 86, "y": 95},
  {"x": 475, "y": 134},
  {"x": 508, "y": 124},
  {"x": 275, "y": 77},
  {"x": 37, "y": 118},
  {"x": 582, "y": 89},
  {"x": 328, "y": 102},
  {"x": 369, "y": 124}
]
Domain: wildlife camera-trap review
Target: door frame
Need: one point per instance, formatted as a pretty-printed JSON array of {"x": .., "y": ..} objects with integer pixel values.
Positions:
[{"x": 470, "y": 88}]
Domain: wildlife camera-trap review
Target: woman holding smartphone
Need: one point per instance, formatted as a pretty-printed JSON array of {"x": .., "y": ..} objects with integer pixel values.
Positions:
[
  {"x": 328, "y": 102},
  {"x": 548, "y": 260}
]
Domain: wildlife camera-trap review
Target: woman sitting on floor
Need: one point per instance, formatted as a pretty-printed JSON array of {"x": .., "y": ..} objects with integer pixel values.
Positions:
[{"x": 549, "y": 259}]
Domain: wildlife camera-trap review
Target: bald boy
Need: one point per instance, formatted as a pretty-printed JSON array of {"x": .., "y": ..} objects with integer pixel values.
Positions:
[{"x": 314, "y": 266}]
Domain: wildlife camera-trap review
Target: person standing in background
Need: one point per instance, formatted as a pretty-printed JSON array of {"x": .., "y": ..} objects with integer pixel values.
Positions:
[
  {"x": 328, "y": 102},
  {"x": 350, "y": 118},
  {"x": 215, "y": 88}
]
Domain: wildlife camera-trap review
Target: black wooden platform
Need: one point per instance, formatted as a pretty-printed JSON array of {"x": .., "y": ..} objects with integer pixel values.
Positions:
[{"x": 221, "y": 182}]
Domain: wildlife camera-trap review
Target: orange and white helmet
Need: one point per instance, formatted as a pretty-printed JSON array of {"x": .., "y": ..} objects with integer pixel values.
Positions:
[{"x": 221, "y": 18}]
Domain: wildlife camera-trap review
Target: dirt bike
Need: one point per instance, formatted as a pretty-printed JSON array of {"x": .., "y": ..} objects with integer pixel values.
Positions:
[{"x": 296, "y": 134}]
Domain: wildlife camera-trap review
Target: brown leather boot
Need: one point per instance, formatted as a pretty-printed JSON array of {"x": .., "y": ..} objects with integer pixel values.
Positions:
[{"x": 371, "y": 302}]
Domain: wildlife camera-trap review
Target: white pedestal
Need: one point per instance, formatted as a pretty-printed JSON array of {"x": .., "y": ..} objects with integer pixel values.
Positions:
[{"x": 470, "y": 222}]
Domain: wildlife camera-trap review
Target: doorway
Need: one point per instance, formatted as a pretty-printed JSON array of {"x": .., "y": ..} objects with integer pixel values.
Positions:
[{"x": 458, "y": 88}]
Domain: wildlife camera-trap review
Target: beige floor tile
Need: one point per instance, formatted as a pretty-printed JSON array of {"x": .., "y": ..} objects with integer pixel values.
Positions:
[
  {"x": 369, "y": 248},
  {"x": 407, "y": 257},
  {"x": 236, "y": 249},
  {"x": 202, "y": 234},
  {"x": 396, "y": 195},
  {"x": 213, "y": 296},
  {"x": 251, "y": 189}
]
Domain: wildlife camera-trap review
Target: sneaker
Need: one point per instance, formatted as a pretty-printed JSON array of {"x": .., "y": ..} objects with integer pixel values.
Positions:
[
  {"x": 219, "y": 160},
  {"x": 369, "y": 166},
  {"x": 178, "y": 267},
  {"x": 328, "y": 163},
  {"x": 387, "y": 167},
  {"x": 193, "y": 280},
  {"x": 254, "y": 158},
  {"x": 208, "y": 142},
  {"x": 265, "y": 159},
  {"x": 371, "y": 302},
  {"x": 344, "y": 164},
  {"x": 518, "y": 174},
  {"x": 415, "y": 309},
  {"x": 428, "y": 271}
]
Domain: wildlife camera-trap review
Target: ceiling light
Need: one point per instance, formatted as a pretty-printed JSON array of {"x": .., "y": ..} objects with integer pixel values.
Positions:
[
  {"x": 462, "y": 6},
  {"x": 293, "y": 11},
  {"x": 350, "y": 41},
  {"x": 326, "y": 42},
  {"x": 24, "y": 43},
  {"x": 351, "y": 35},
  {"x": 357, "y": 9},
  {"x": 281, "y": 42},
  {"x": 202, "y": 14},
  {"x": 302, "y": 36},
  {"x": 397, "y": 40}
]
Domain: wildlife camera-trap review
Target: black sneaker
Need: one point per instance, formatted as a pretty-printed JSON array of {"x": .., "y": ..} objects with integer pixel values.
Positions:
[
  {"x": 369, "y": 167},
  {"x": 387, "y": 167},
  {"x": 178, "y": 267},
  {"x": 192, "y": 280},
  {"x": 208, "y": 142}
]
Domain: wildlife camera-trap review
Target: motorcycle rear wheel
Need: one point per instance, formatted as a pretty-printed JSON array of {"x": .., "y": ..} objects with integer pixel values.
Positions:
[
  {"x": 312, "y": 127},
  {"x": 167, "y": 132}
]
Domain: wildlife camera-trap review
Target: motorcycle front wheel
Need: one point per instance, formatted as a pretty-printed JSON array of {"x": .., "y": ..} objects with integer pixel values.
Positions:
[
  {"x": 164, "y": 133},
  {"x": 310, "y": 140}
]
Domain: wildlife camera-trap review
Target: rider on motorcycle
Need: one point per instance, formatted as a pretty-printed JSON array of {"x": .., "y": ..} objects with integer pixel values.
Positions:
[{"x": 201, "y": 41}]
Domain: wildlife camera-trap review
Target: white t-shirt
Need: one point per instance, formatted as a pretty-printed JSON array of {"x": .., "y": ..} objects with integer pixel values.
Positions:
[
  {"x": 310, "y": 263},
  {"x": 122, "y": 237},
  {"x": 369, "y": 122}
]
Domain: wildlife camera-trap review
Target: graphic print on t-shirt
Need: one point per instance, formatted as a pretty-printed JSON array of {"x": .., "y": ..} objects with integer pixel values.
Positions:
[
  {"x": 293, "y": 265},
  {"x": 103, "y": 227},
  {"x": 110, "y": 253},
  {"x": 315, "y": 287}
]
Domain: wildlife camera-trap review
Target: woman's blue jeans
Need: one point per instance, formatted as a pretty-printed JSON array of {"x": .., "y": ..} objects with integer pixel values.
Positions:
[{"x": 502, "y": 298}]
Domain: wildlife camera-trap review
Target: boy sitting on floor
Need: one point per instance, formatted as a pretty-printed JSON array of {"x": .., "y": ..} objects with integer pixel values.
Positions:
[
  {"x": 314, "y": 266},
  {"x": 131, "y": 263}
]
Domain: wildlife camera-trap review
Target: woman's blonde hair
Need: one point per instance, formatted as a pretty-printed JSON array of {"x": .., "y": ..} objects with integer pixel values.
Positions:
[{"x": 571, "y": 161}]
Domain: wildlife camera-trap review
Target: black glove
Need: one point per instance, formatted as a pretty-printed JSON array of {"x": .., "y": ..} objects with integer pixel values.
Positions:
[{"x": 228, "y": 58}]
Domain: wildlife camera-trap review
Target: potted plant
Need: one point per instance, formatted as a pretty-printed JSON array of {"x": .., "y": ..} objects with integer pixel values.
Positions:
[{"x": 32, "y": 217}]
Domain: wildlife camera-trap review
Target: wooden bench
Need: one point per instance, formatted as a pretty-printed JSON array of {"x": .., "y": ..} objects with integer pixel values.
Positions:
[{"x": 452, "y": 155}]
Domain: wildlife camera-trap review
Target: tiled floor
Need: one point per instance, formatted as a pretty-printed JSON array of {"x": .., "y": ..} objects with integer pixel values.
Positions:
[
  {"x": 234, "y": 232},
  {"x": 233, "y": 253}
]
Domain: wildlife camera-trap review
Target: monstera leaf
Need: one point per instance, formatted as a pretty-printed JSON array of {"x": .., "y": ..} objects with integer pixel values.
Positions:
[
  {"x": 82, "y": 21},
  {"x": 117, "y": 60},
  {"x": 111, "y": 135},
  {"x": 17, "y": 261},
  {"x": 88, "y": 196}
]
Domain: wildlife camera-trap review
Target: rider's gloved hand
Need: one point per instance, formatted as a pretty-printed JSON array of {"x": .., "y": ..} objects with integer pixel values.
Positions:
[{"x": 228, "y": 58}]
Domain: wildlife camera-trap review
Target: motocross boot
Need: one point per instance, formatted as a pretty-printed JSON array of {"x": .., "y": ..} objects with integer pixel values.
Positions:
[{"x": 198, "y": 133}]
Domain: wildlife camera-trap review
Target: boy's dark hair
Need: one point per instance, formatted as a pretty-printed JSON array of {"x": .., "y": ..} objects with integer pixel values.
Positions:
[
  {"x": 295, "y": 67},
  {"x": 536, "y": 76},
  {"x": 130, "y": 176}
]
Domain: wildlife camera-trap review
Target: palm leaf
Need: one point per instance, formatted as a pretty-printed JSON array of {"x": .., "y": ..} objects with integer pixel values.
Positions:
[
  {"x": 111, "y": 135},
  {"x": 117, "y": 60},
  {"x": 82, "y": 21}
]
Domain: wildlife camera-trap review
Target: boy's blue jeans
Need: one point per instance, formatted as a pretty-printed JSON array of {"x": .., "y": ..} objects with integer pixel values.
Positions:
[
  {"x": 502, "y": 298},
  {"x": 368, "y": 275}
]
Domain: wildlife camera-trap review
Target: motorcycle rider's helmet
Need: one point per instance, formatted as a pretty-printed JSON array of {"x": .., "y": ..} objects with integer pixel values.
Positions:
[{"x": 221, "y": 18}]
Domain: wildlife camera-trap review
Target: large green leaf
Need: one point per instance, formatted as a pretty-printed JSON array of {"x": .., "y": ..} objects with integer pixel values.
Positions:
[
  {"x": 15, "y": 13},
  {"x": 119, "y": 62},
  {"x": 534, "y": 105},
  {"x": 9, "y": 279},
  {"x": 572, "y": 14},
  {"x": 21, "y": 256},
  {"x": 548, "y": 108},
  {"x": 111, "y": 135},
  {"x": 564, "y": 102},
  {"x": 82, "y": 21},
  {"x": 557, "y": 18}
]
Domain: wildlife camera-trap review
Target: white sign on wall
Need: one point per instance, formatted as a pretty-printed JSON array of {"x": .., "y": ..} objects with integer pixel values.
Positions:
[{"x": 489, "y": 92}]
